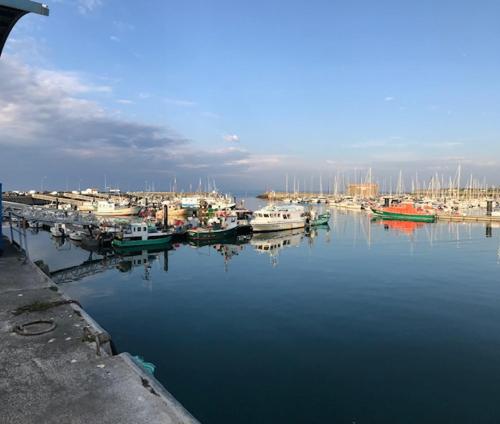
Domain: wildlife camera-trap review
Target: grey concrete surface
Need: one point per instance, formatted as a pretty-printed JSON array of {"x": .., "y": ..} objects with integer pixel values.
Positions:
[{"x": 60, "y": 377}]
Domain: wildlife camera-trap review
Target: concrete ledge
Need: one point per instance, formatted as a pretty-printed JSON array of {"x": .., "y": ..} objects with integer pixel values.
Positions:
[{"x": 62, "y": 376}]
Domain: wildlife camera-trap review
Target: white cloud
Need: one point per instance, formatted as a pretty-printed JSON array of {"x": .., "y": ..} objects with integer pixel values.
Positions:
[
  {"x": 389, "y": 99},
  {"x": 67, "y": 82},
  {"x": 114, "y": 38},
  {"x": 46, "y": 111},
  {"x": 59, "y": 117},
  {"x": 125, "y": 101},
  {"x": 123, "y": 26},
  {"x": 179, "y": 102},
  {"x": 232, "y": 138},
  {"x": 88, "y": 6}
]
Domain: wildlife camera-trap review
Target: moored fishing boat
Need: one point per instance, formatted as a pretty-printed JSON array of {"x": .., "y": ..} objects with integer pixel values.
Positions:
[
  {"x": 105, "y": 208},
  {"x": 219, "y": 227},
  {"x": 276, "y": 218},
  {"x": 141, "y": 234},
  {"x": 405, "y": 212},
  {"x": 320, "y": 219}
]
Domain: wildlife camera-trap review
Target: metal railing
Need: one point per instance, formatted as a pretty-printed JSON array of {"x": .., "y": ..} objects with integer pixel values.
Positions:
[{"x": 17, "y": 226}]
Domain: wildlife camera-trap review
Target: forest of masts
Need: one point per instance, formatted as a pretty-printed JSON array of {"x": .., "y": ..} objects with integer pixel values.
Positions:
[{"x": 437, "y": 187}]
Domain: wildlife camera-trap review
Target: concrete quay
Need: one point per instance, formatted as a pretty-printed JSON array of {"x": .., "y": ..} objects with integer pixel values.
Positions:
[
  {"x": 68, "y": 374},
  {"x": 469, "y": 218}
]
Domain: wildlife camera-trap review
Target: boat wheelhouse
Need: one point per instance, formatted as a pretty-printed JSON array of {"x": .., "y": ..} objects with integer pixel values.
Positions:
[{"x": 279, "y": 217}]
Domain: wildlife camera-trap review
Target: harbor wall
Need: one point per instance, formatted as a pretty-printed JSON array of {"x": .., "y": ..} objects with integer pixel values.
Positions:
[{"x": 68, "y": 372}]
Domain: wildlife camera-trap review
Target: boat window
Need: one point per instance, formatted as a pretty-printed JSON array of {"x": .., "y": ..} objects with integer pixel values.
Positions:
[{"x": 266, "y": 215}]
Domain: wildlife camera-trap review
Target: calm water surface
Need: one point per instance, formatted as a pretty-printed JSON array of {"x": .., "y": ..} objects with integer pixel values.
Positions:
[{"x": 359, "y": 322}]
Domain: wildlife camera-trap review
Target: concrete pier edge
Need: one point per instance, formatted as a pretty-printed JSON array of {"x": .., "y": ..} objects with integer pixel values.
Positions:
[{"x": 100, "y": 380}]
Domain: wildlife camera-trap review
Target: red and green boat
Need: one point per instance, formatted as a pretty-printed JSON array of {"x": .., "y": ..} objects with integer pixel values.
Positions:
[{"x": 405, "y": 212}]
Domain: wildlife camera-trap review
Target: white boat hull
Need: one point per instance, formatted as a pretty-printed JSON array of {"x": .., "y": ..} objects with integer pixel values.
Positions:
[
  {"x": 120, "y": 212},
  {"x": 76, "y": 236},
  {"x": 277, "y": 226}
]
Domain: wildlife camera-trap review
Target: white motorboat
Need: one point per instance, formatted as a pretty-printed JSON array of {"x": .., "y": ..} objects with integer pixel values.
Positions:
[
  {"x": 77, "y": 235},
  {"x": 58, "y": 230},
  {"x": 279, "y": 217}
]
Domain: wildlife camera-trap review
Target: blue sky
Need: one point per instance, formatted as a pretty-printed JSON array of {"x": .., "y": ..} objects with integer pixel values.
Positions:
[{"x": 245, "y": 92}]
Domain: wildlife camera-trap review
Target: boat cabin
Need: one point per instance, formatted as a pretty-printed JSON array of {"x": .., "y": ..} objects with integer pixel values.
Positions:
[{"x": 138, "y": 231}]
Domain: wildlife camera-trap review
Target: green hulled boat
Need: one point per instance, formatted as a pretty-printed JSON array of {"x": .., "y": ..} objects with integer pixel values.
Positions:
[
  {"x": 218, "y": 228},
  {"x": 321, "y": 219},
  {"x": 140, "y": 235},
  {"x": 207, "y": 234},
  {"x": 404, "y": 213}
]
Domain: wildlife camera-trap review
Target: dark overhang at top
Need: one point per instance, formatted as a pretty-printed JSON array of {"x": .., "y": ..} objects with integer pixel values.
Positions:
[{"x": 13, "y": 10}]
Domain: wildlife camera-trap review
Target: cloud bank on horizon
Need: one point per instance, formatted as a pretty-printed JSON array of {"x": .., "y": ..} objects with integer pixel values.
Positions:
[{"x": 139, "y": 101}]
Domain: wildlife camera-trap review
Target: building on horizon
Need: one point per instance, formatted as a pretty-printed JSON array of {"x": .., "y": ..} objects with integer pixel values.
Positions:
[{"x": 362, "y": 190}]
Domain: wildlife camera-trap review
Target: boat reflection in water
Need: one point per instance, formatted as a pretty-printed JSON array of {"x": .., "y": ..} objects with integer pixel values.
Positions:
[
  {"x": 228, "y": 248},
  {"x": 142, "y": 258},
  {"x": 404, "y": 227},
  {"x": 272, "y": 242}
]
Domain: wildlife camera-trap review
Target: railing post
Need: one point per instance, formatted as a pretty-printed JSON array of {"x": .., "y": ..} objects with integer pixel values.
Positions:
[
  {"x": 10, "y": 225},
  {"x": 26, "y": 253}
]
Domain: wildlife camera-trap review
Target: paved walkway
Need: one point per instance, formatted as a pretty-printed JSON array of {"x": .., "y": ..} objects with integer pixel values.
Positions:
[{"x": 63, "y": 376}]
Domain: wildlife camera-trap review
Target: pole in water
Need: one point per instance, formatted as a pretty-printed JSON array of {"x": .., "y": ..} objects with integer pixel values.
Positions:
[
  {"x": 165, "y": 216},
  {"x": 489, "y": 207}
]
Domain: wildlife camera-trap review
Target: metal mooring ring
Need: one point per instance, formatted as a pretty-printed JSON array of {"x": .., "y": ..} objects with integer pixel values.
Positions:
[{"x": 23, "y": 329}]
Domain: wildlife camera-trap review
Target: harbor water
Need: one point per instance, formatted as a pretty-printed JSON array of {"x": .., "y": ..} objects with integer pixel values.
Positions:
[{"x": 357, "y": 322}]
